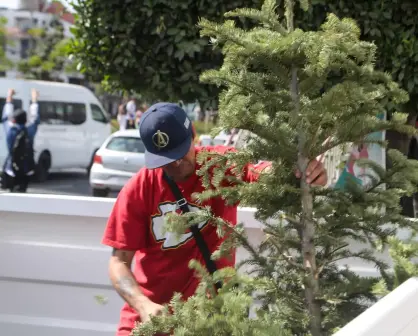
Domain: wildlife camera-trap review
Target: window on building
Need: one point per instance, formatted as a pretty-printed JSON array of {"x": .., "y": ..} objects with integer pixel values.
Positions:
[{"x": 24, "y": 48}]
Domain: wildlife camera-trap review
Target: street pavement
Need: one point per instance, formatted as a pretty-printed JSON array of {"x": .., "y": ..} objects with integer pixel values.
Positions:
[{"x": 71, "y": 182}]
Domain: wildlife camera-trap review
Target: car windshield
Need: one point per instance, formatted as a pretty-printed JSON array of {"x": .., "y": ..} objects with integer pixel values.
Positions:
[{"x": 126, "y": 144}]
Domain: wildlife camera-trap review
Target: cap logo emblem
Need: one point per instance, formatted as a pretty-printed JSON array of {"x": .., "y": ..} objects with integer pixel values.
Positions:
[{"x": 160, "y": 139}]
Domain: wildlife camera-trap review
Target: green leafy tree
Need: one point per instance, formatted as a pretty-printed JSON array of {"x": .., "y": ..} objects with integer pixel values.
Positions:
[
  {"x": 49, "y": 55},
  {"x": 5, "y": 63},
  {"x": 151, "y": 47},
  {"x": 391, "y": 25},
  {"x": 154, "y": 47},
  {"x": 276, "y": 84}
]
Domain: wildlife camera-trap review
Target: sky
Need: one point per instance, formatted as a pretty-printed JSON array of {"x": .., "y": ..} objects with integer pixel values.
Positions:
[{"x": 13, "y": 3}]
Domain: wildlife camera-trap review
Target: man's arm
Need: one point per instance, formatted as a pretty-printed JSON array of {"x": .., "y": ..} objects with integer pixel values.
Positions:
[
  {"x": 8, "y": 106},
  {"x": 316, "y": 173},
  {"x": 34, "y": 108},
  {"x": 10, "y": 94},
  {"x": 34, "y": 118},
  {"x": 125, "y": 284}
]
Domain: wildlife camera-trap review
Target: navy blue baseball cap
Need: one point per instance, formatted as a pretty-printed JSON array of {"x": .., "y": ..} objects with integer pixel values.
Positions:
[{"x": 167, "y": 134}]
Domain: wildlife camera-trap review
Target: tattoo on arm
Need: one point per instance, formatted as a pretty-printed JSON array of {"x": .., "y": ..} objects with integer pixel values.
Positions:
[
  {"x": 124, "y": 280},
  {"x": 126, "y": 286}
]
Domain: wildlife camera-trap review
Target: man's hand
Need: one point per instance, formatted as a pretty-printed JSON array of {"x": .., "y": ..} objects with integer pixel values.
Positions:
[
  {"x": 10, "y": 94},
  {"x": 35, "y": 95},
  {"x": 148, "y": 309},
  {"x": 316, "y": 173}
]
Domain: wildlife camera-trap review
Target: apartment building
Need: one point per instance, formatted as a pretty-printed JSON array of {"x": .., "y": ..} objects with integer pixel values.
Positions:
[{"x": 28, "y": 15}]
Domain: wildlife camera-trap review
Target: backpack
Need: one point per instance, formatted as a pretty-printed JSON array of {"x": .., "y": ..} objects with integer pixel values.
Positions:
[{"x": 22, "y": 154}]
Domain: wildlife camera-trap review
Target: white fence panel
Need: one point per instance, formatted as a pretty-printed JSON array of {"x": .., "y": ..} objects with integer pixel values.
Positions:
[
  {"x": 52, "y": 265},
  {"x": 394, "y": 315}
]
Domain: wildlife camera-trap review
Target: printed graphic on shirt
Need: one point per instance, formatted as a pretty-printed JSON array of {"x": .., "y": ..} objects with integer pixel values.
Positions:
[{"x": 157, "y": 225}]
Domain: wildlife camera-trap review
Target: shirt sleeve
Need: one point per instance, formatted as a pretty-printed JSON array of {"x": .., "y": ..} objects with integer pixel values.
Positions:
[
  {"x": 7, "y": 111},
  {"x": 34, "y": 113},
  {"x": 131, "y": 108},
  {"x": 127, "y": 227},
  {"x": 252, "y": 171}
]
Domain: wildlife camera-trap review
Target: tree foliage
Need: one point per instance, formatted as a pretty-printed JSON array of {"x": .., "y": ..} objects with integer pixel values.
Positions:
[
  {"x": 151, "y": 47},
  {"x": 5, "y": 63},
  {"x": 48, "y": 56},
  {"x": 294, "y": 89},
  {"x": 404, "y": 254},
  {"x": 391, "y": 25}
]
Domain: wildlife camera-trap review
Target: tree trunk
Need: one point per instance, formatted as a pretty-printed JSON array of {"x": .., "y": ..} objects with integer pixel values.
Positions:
[{"x": 307, "y": 229}]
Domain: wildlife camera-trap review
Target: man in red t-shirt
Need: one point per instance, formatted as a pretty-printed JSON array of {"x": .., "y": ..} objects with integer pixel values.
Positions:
[{"x": 135, "y": 226}]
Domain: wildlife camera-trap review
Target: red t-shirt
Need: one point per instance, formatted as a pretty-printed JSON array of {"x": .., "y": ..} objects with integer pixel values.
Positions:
[{"x": 161, "y": 261}]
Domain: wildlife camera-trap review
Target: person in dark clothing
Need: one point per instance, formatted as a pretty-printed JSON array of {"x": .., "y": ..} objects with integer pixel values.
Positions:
[
  {"x": 20, "y": 164},
  {"x": 33, "y": 120}
]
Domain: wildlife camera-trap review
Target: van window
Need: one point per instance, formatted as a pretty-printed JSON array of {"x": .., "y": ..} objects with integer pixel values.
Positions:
[
  {"x": 61, "y": 113},
  {"x": 76, "y": 113},
  {"x": 97, "y": 114},
  {"x": 47, "y": 113},
  {"x": 17, "y": 103}
]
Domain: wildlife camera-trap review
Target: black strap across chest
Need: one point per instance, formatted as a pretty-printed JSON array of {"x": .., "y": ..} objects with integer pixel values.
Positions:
[{"x": 200, "y": 241}]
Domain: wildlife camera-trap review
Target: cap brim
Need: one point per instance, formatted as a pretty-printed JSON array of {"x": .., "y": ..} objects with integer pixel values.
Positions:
[{"x": 157, "y": 160}]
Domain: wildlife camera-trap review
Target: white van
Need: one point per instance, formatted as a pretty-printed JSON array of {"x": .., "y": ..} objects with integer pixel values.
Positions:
[{"x": 73, "y": 124}]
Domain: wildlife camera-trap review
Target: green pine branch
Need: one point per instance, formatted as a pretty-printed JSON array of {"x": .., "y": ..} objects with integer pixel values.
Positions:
[{"x": 300, "y": 93}]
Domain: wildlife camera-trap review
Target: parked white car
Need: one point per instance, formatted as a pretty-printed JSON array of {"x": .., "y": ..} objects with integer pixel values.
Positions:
[
  {"x": 205, "y": 140},
  {"x": 222, "y": 138},
  {"x": 116, "y": 161},
  {"x": 73, "y": 123}
]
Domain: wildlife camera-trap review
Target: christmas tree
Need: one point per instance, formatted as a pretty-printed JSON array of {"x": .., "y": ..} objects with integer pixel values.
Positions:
[
  {"x": 301, "y": 94},
  {"x": 404, "y": 254}
]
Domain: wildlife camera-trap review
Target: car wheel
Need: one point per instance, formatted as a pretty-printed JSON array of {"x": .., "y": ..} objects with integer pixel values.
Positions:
[
  {"x": 100, "y": 192},
  {"x": 42, "y": 168}
]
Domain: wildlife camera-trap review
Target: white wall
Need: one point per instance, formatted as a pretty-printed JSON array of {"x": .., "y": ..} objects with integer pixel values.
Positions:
[
  {"x": 52, "y": 265},
  {"x": 394, "y": 315}
]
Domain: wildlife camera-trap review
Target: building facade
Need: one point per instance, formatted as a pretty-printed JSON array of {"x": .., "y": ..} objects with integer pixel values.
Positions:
[{"x": 33, "y": 14}]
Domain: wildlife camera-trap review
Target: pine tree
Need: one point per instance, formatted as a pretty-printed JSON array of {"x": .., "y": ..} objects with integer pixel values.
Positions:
[
  {"x": 404, "y": 254},
  {"x": 301, "y": 93}
]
